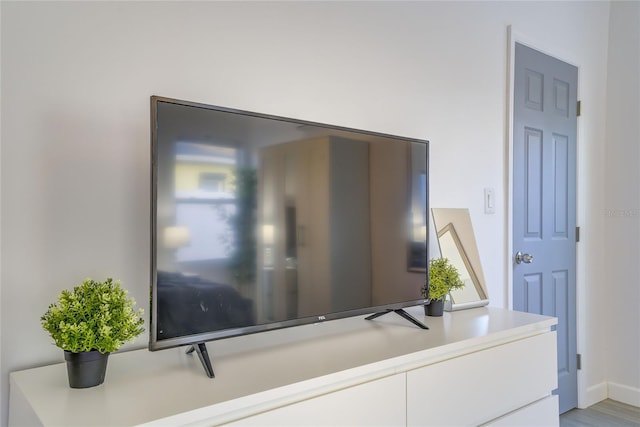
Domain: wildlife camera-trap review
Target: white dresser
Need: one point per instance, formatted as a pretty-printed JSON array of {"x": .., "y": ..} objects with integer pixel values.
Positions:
[{"x": 483, "y": 366}]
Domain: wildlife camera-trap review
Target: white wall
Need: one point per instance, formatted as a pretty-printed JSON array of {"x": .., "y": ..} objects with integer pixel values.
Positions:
[
  {"x": 2, "y": 378},
  {"x": 76, "y": 81},
  {"x": 623, "y": 204}
]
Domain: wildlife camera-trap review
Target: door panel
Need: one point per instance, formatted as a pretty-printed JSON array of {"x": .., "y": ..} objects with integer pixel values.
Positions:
[
  {"x": 533, "y": 187},
  {"x": 544, "y": 204},
  {"x": 560, "y": 186},
  {"x": 533, "y": 293}
]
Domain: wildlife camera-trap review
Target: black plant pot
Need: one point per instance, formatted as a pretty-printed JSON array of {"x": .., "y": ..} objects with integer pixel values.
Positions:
[
  {"x": 434, "y": 308},
  {"x": 86, "y": 369}
]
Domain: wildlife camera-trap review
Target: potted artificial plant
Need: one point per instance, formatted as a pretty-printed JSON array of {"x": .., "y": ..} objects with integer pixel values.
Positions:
[
  {"x": 443, "y": 278},
  {"x": 89, "y": 322}
]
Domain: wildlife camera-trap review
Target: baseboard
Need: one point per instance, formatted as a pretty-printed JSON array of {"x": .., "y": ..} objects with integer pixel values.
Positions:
[
  {"x": 624, "y": 394},
  {"x": 594, "y": 394}
]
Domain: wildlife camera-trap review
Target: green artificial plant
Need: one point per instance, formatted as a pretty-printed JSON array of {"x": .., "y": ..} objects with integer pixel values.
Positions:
[
  {"x": 443, "y": 278},
  {"x": 93, "y": 316}
]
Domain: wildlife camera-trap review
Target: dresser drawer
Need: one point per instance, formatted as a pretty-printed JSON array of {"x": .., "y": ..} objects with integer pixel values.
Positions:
[
  {"x": 543, "y": 413},
  {"x": 376, "y": 403},
  {"x": 483, "y": 386}
]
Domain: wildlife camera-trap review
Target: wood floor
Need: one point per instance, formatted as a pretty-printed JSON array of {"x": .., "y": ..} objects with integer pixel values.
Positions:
[{"x": 607, "y": 413}]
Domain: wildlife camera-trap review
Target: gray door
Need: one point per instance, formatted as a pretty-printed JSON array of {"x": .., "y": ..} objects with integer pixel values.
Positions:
[{"x": 544, "y": 201}]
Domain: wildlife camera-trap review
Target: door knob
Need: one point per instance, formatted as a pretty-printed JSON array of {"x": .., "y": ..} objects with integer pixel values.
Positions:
[{"x": 526, "y": 258}]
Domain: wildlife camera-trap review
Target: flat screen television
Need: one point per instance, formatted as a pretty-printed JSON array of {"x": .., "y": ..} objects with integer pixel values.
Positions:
[{"x": 262, "y": 222}]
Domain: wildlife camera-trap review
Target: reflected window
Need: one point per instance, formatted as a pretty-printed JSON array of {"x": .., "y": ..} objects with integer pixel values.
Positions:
[
  {"x": 209, "y": 181},
  {"x": 205, "y": 178}
]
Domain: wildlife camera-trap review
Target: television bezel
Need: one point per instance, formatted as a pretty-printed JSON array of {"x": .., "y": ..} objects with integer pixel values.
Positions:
[{"x": 154, "y": 343}]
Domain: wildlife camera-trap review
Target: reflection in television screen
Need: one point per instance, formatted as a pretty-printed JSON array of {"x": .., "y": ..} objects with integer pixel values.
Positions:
[{"x": 263, "y": 222}]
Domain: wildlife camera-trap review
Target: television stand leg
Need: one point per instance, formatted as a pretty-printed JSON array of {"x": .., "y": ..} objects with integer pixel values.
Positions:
[
  {"x": 402, "y": 313},
  {"x": 203, "y": 355}
]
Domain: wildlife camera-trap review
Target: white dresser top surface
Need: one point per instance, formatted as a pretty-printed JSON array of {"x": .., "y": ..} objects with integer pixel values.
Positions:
[{"x": 265, "y": 370}]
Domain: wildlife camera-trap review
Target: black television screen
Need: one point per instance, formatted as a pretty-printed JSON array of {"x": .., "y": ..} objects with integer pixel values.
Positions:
[{"x": 262, "y": 222}]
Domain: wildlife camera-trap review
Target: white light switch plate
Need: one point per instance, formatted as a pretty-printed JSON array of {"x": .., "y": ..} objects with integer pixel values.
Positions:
[{"x": 489, "y": 200}]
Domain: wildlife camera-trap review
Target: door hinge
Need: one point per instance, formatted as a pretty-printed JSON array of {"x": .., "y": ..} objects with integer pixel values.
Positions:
[
  {"x": 578, "y": 108},
  {"x": 577, "y": 234},
  {"x": 579, "y": 361}
]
